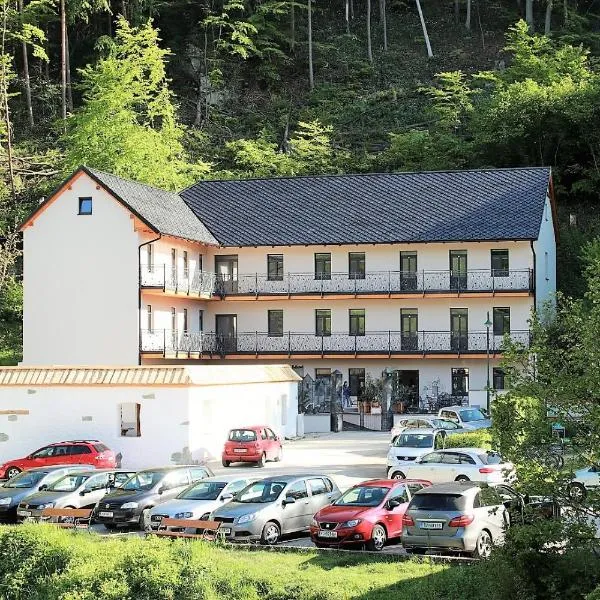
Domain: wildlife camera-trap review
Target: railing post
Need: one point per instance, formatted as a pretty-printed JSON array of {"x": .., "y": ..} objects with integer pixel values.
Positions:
[
  {"x": 164, "y": 277},
  {"x": 494, "y": 282},
  {"x": 423, "y": 280},
  {"x": 423, "y": 342},
  {"x": 164, "y": 343},
  {"x": 389, "y": 283},
  {"x": 289, "y": 338},
  {"x": 188, "y": 281},
  {"x": 289, "y": 286},
  {"x": 256, "y": 343},
  {"x": 389, "y": 342},
  {"x": 256, "y": 284},
  {"x": 322, "y": 336}
]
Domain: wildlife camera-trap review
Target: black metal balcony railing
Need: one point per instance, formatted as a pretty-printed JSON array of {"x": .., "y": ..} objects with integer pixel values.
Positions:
[
  {"x": 373, "y": 282},
  {"x": 166, "y": 341}
]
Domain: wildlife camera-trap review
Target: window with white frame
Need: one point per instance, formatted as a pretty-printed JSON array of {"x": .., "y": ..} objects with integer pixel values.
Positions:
[
  {"x": 149, "y": 318},
  {"x": 130, "y": 419}
]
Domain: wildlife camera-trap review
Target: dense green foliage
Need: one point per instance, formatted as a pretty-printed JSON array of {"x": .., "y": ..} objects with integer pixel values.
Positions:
[
  {"x": 38, "y": 562},
  {"x": 480, "y": 438}
]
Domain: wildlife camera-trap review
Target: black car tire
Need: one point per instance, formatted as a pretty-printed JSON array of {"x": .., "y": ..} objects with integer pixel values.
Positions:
[
  {"x": 12, "y": 471},
  {"x": 270, "y": 534},
  {"x": 225, "y": 463},
  {"x": 378, "y": 538},
  {"x": 261, "y": 460},
  {"x": 110, "y": 526},
  {"x": 577, "y": 491},
  {"x": 462, "y": 478},
  {"x": 144, "y": 522},
  {"x": 398, "y": 475},
  {"x": 483, "y": 545},
  {"x": 279, "y": 455}
]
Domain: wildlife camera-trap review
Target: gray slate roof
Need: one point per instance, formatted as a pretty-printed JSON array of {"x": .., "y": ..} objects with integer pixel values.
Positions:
[
  {"x": 495, "y": 204},
  {"x": 165, "y": 211}
]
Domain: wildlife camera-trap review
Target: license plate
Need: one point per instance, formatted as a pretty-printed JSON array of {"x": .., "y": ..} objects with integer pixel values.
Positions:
[
  {"x": 24, "y": 513},
  {"x": 225, "y": 530},
  {"x": 240, "y": 450},
  {"x": 430, "y": 525},
  {"x": 327, "y": 534},
  {"x": 156, "y": 518},
  {"x": 104, "y": 513}
]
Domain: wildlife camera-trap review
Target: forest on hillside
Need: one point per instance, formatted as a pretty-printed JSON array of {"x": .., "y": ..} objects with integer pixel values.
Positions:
[{"x": 171, "y": 91}]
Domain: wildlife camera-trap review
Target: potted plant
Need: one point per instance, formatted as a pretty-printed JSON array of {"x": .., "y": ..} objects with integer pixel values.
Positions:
[{"x": 371, "y": 395}]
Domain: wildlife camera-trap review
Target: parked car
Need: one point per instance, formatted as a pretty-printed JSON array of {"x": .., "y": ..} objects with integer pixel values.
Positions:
[
  {"x": 256, "y": 443},
  {"x": 86, "y": 452},
  {"x": 132, "y": 502},
  {"x": 412, "y": 443},
  {"x": 584, "y": 480},
  {"x": 456, "y": 464},
  {"x": 466, "y": 517},
  {"x": 79, "y": 489},
  {"x": 425, "y": 422},
  {"x": 466, "y": 417},
  {"x": 369, "y": 514},
  {"x": 200, "y": 499},
  {"x": 267, "y": 509},
  {"x": 13, "y": 491}
]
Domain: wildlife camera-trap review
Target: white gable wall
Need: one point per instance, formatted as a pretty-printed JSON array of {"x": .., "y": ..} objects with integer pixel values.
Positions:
[
  {"x": 545, "y": 261},
  {"x": 80, "y": 282}
]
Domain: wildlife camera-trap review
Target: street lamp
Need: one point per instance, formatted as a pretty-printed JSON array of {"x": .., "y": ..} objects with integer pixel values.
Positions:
[{"x": 488, "y": 324}]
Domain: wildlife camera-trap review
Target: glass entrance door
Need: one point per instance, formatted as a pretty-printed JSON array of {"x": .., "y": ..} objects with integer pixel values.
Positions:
[
  {"x": 408, "y": 271},
  {"x": 409, "y": 326},
  {"x": 458, "y": 270},
  {"x": 226, "y": 331},
  {"x": 226, "y": 269},
  {"x": 459, "y": 329}
]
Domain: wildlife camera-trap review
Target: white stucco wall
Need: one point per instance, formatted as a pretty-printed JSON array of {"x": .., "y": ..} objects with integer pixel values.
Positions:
[
  {"x": 80, "y": 282},
  {"x": 545, "y": 268}
]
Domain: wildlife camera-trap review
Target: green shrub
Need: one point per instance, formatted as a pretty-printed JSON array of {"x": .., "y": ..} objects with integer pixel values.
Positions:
[{"x": 480, "y": 438}]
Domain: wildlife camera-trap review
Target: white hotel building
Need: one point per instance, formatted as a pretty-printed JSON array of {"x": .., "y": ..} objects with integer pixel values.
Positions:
[{"x": 355, "y": 273}]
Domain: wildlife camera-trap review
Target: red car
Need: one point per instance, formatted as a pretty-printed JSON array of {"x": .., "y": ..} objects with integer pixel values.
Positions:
[
  {"x": 369, "y": 513},
  {"x": 86, "y": 452},
  {"x": 257, "y": 444}
]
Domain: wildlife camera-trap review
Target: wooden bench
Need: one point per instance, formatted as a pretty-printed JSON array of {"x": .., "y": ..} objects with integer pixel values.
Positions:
[
  {"x": 209, "y": 530},
  {"x": 75, "y": 518}
]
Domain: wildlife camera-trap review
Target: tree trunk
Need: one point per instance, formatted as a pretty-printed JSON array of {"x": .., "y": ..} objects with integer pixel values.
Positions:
[
  {"x": 63, "y": 59},
  {"x": 352, "y": 9},
  {"x": 47, "y": 62},
  {"x": 529, "y": 14},
  {"x": 424, "y": 26},
  {"x": 293, "y": 34},
  {"x": 4, "y": 75},
  {"x": 468, "y": 19},
  {"x": 548, "y": 22},
  {"x": 69, "y": 87},
  {"x": 384, "y": 20},
  {"x": 26, "y": 73},
  {"x": 369, "y": 48},
  {"x": 457, "y": 10},
  {"x": 347, "y": 15},
  {"x": 566, "y": 11},
  {"x": 311, "y": 78}
]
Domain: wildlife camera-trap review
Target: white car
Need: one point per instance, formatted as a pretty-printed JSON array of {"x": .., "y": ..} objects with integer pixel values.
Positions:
[
  {"x": 467, "y": 417},
  {"x": 199, "y": 499},
  {"x": 456, "y": 464},
  {"x": 425, "y": 422},
  {"x": 584, "y": 480},
  {"x": 412, "y": 443}
]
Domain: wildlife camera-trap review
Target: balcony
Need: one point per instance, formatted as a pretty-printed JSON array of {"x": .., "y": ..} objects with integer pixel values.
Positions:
[
  {"x": 166, "y": 342},
  {"x": 374, "y": 283}
]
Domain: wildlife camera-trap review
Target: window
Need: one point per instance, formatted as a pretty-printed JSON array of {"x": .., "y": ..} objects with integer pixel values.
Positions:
[
  {"x": 323, "y": 322},
  {"x": 499, "y": 261},
  {"x": 297, "y": 490},
  {"x": 185, "y": 319},
  {"x": 357, "y": 321},
  {"x": 501, "y": 321},
  {"x": 200, "y": 261},
  {"x": 498, "y": 379},
  {"x": 130, "y": 419},
  {"x": 465, "y": 459},
  {"x": 173, "y": 319},
  {"x": 149, "y": 318},
  {"x": 185, "y": 263},
  {"x": 263, "y": 434},
  {"x": 200, "y": 320},
  {"x": 400, "y": 494},
  {"x": 357, "y": 381},
  {"x": 317, "y": 486},
  {"x": 198, "y": 473},
  {"x": 356, "y": 265},
  {"x": 408, "y": 271},
  {"x": 79, "y": 449},
  {"x": 85, "y": 206},
  {"x": 150, "y": 257},
  {"x": 98, "y": 482},
  {"x": 173, "y": 261},
  {"x": 275, "y": 267},
  {"x": 433, "y": 458},
  {"x": 488, "y": 496},
  {"x": 451, "y": 458},
  {"x": 322, "y": 265},
  {"x": 414, "y": 488},
  {"x": 460, "y": 382},
  {"x": 323, "y": 374},
  {"x": 236, "y": 486},
  {"x": 275, "y": 323},
  {"x": 175, "y": 480}
]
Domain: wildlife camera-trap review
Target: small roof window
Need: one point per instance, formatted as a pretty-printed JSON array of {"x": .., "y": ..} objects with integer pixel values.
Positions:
[{"x": 85, "y": 206}]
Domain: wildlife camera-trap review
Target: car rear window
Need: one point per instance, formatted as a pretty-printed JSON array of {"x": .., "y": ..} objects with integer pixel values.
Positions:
[
  {"x": 442, "y": 502},
  {"x": 100, "y": 447},
  {"x": 490, "y": 458},
  {"x": 242, "y": 435}
]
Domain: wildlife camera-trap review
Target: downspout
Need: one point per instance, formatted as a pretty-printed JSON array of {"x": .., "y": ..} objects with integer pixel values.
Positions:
[
  {"x": 534, "y": 274},
  {"x": 140, "y": 294}
]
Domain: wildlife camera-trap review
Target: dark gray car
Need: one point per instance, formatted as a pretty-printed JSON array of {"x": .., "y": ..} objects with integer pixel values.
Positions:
[
  {"x": 131, "y": 504},
  {"x": 267, "y": 509},
  {"x": 15, "y": 490}
]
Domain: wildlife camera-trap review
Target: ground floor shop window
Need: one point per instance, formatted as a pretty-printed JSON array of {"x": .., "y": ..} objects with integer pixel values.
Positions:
[
  {"x": 460, "y": 382},
  {"x": 130, "y": 419}
]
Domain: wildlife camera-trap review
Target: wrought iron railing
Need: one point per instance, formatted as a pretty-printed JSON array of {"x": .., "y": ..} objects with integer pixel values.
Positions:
[
  {"x": 167, "y": 341},
  {"x": 186, "y": 281}
]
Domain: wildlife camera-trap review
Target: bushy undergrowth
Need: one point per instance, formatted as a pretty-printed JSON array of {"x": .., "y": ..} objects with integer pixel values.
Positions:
[
  {"x": 39, "y": 562},
  {"x": 480, "y": 438}
]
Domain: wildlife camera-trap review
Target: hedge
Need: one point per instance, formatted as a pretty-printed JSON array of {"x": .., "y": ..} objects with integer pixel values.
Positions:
[{"x": 480, "y": 438}]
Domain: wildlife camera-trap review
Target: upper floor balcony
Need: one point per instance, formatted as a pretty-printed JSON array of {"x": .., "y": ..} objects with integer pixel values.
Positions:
[
  {"x": 377, "y": 344},
  {"x": 376, "y": 284}
]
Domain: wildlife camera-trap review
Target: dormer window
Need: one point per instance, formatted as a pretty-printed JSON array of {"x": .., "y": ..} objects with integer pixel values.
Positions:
[{"x": 85, "y": 206}]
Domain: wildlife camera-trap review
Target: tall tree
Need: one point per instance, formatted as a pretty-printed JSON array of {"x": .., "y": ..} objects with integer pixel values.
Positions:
[
  {"x": 548, "y": 20},
  {"x": 424, "y": 27},
  {"x": 529, "y": 15},
  {"x": 311, "y": 75},
  {"x": 383, "y": 14},
  {"x": 26, "y": 78},
  {"x": 369, "y": 44},
  {"x": 347, "y": 15},
  {"x": 468, "y": 19},
  {"x": 63, "y": 60}
]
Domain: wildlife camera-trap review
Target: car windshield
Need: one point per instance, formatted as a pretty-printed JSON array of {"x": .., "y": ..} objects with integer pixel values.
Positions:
[
  {"x": 242, "y": 435},
  {"x": 144, "y": 480},
  {"x": 490, "y": 458},
  {"x": 262, "y": 492},
  {"x": 444, "y": 424},
  {"x": 471, "y": 414},
  {"x": 205, "y": 490},
  {"x": 362, "y": 496},
  {"x": 68, "y": 483},
  {"x": 414, "y": 440},
  {"x": 443, "y": 502},
  {"x": 28, "y": 479}
]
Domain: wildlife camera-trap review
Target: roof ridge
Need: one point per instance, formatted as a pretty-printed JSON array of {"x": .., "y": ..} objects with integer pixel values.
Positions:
[{"x": 128, "y": 180}]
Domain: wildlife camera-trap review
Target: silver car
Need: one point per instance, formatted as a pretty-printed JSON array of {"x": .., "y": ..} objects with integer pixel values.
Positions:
[
  {"x": 200, "y": 499},
  {"x": 75, "y": 490},
  {"x": 267, "y": 509},
  {"x": 459, "y": 517}
]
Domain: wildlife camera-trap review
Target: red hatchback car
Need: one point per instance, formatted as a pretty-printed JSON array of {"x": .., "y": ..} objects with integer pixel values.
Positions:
[
  {"x": 369, "y": 513},
  {"x": 85, "y": 452},
  {"x": 257, "y": 444}
]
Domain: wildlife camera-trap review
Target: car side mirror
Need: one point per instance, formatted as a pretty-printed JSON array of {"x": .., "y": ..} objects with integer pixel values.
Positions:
[
  {"x": 226, "y": 497},
  {"x": 83, "y": 492},
  {"x": 161, "y": 489},
  {"x": 289, "y": 500},
  {"x": 43, "y": 487},
  {"x": 392, "y": 504},
  {"x": 418, "y": 459}
]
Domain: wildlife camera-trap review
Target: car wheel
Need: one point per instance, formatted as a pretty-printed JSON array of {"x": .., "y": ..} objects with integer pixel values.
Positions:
[
  {"x": 270, "y": 534},
  {"x": 577, "y": 492},
  {"x": 462, "y": 478},
  {"x": 144, "y": 521},
  {"x": 110, "y": 526},
  {"x": 12, "y": 471},
  {"x": 398, "y": 475},
  {"x": 378, "y": 538},
  {"x": 483, "y": 546},
  {"x": 225, "y": 463},
  {"x": 261, "y": 460},
  {"x": 279, "y": 455}
]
